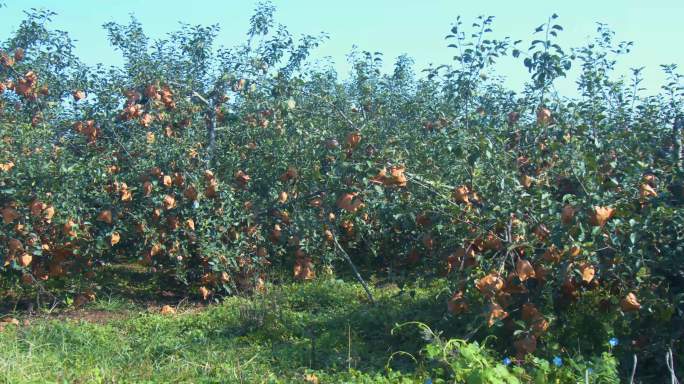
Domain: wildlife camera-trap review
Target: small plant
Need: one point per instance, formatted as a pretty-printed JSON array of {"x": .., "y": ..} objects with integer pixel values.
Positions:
[{"x": 460, "y": 361}]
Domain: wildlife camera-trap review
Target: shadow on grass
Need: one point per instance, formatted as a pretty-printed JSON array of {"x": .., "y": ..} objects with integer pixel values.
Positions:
[
  {"x": 328, "y": 325},
  {"x": 133, "y": 282}
]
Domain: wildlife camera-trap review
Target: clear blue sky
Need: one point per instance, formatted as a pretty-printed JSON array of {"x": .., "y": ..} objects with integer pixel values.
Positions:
[{"x": 393, "y": 27}]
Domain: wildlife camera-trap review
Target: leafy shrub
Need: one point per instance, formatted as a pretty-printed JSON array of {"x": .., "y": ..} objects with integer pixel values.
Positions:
[
  {"x": 459, "y": 361},
  {"x": 557, "y": 221}
]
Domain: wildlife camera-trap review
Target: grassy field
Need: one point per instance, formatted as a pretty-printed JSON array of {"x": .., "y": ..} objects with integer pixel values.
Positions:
[{"x": 323, "y": 331}]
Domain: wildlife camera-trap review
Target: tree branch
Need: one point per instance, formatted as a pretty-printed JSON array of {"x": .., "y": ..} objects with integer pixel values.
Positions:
[{"x": 349, "y": 261}]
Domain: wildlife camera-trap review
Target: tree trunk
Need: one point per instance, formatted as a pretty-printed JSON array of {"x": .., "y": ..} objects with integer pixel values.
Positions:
[
  {"x": 678, "y": 148},
  {"x": 211, "y": 131}
]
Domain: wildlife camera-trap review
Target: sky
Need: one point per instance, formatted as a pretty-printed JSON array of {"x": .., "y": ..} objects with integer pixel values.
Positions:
[{"x": 393, "y": 27}]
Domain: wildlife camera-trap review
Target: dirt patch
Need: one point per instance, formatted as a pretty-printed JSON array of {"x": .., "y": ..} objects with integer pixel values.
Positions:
[
  {"x": 181, "y": 308},
  {"x": 90, "y": 315},
  {"x": 98, "y": 316}
]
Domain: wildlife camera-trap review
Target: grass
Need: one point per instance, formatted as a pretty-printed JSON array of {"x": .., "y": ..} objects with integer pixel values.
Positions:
[{"x": 324, "y": 328}]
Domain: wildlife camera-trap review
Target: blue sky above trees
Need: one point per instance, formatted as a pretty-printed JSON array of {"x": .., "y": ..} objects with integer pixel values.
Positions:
[{"x": 391, "y": 27}]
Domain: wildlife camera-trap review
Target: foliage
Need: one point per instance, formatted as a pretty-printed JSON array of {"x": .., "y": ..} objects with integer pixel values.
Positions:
[
  {"x": 458, "y": 361},
  {"x": 335, "y": 340},
  {"x": 217, "y": 344},
  {"x": 557, "y": 221}
]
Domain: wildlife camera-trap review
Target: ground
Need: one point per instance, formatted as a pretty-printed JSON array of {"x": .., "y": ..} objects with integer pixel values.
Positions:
[{"x": 321, "y": 331}]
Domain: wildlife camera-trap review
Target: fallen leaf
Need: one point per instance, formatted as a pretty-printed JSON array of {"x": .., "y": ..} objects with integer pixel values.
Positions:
[{"x": 168, "y": 310}]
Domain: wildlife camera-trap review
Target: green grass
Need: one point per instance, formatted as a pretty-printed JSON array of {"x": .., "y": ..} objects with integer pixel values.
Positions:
[{"x": 326, "y": 328}]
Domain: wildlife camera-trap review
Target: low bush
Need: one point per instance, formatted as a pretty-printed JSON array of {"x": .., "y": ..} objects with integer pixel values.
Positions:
[{"x": 557, "y": 221}]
